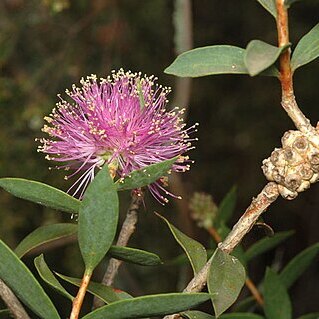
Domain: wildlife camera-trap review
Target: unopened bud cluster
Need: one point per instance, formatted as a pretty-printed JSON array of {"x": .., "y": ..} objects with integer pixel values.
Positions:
[{"x": 295, "y": 166}]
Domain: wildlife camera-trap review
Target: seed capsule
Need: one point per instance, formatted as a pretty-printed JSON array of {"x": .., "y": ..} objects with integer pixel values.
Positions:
[
  {"x": 301, "y": 144},
  {"x": 305, "y": 171},
  {"x": 293, "y": 181},
  {"x": 304, "y": 185},
  {"x": 286, "y": 193}
]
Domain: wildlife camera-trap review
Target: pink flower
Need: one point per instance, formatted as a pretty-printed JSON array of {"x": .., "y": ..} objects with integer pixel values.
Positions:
[{"x": 120, "y": 121}]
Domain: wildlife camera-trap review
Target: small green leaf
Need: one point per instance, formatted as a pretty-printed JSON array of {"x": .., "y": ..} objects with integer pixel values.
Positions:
[
  {"x": 152, "y": 305},
  {"x": 44, "y": 234},
  {"x": 216, "y": 59},
  {"x": 270, "y": 6},
  {"x": 194, "y": 314},
  {"x": 5, "y": 313},
  {"x": 277, "y": 302},
  {"x": 98, "y": 217},
  {"x": 260, "y": 55},
  {"x": 314, "y": 315},
  {"x": 19, "y": 278},
  {"x": 47, "y": 275},
  {"x": 146, "y": 175},
  {"x": 227, "y": 206},
  {"x": 195, "y": 251},
  {"x": 41, "y": 194},
  {"x": 101, "y": 291},
  {"x": 307, "y": 49},
  {"x": 298, "y": 265},
  {"x": 226, "y": 278},
  {"x": 266, "y": 244},
  {"x": 135, "y": 256}
]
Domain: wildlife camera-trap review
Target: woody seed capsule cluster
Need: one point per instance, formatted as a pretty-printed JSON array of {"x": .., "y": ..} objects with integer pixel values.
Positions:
[{"x": 295, "y": 166}]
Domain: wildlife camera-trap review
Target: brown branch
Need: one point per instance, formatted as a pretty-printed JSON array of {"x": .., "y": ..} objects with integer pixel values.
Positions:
[
  {"x": 12, "y": 302},
  {"x": 126, "y": 232},
  {"x": 78, "y": 300},
  {"x": 288, "y": 99}
]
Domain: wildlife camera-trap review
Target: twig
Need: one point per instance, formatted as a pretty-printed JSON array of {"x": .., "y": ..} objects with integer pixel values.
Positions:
[
  {"x": 78, "y": 301},
  {"x": 126, "y": 232},
  {"x": 12, "y": 302}
]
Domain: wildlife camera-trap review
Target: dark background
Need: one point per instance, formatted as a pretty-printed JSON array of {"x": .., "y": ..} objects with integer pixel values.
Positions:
[{"x": 45, "y": 48}]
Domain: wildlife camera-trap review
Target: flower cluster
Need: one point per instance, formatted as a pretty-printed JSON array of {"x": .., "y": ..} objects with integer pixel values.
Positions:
[{"x": 121, "y": 121}]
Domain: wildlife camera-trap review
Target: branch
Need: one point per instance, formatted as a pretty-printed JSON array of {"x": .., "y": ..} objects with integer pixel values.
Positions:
[
  {"x": 126, "y": 232},
  {"x": 12, "y": 302}
]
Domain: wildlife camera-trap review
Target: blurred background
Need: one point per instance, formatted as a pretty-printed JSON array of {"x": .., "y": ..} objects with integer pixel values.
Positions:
[{"x": 47, "y": 45}]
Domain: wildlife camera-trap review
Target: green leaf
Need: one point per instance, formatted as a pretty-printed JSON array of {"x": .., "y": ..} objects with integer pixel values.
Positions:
[
  {"x": 101, "y": 291},
  {"x": 298, "y": 265},
  {"x": 195, "y": 251},
  {"x": 314, "y": 315},
  {"x": 260, "y": 55},
  {"x": 270, "y": 6},
  {"x": 44, "y": 234},
  {"x": 152, "y": 305},
  {"x": 277, "y": 302},
  {"x": 19, "y": 278},
  {"x": 146, "y": 175},
  {"x": 226, "y": 278},
  {"x": 5, "y": 313},
  {"x": 267, "y": 244},
  {"x": 307, "y": 49},
  {"x": 41, "y": 194},
  {"x": 216, "y": 59},
  {"x": 98, "y": 217},
  {"x": 194, "y": 314},
  {"x": 227, "y": 206},
  {"x": 135, "y": 256},
  {"x": 211, "y": 60},
  {"x": 47, "y": 275}
]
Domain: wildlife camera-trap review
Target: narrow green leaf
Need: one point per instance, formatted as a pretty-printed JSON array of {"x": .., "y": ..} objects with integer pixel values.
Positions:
[
  {"x": 146, "y": 175},
  {"x": 266, "y": 244},
  {"x": 211, "y": 60},
  {"x": 101, "y": 291},
  {"x": 98, "y": 217},
  {"x": 44, "y": 234},
  {"x": 195, "y": 251},
  {"x": 277, "y": 302},
  {"x": 226, "y": 278},
  {"x": 314, "y": 315},
  {"x": 47, "y": 275},
  {"x": 270, "y": 6},
  {"x": 5, "y": 313},
  {"x": 227, "y": 206},
  {"x": 216, "y": 59},
  {"x": 19, "y": 278},
  {"x": 194, "y": 314},
  {"x": 41, "y": 194},
  {"x": 260, "y": 55},
  {"x": 298, "y": 265},
  {"x": 307, "y": 49},
  {"x": 135, "y": 256},
  {"x": 152, "y": 305}
]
